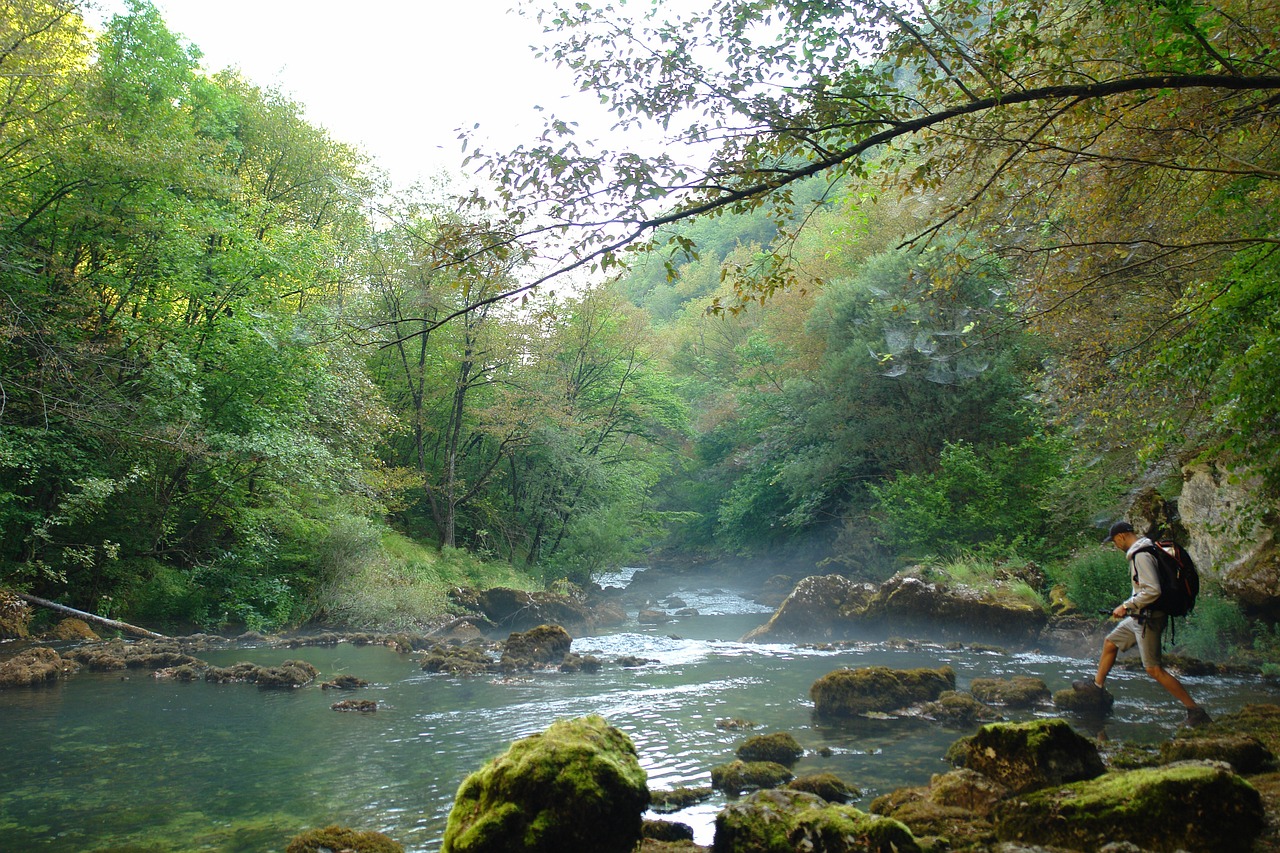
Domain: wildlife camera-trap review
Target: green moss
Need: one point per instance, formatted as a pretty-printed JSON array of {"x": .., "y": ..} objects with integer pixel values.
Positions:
[
  {"x": 829, "y": 786},
  {"x": 779, "y": 821},
  {"x": 341, "y": 838},
  {"x": 738, "y": 776},
  {"x": 576, "y": 786},
  {"x": 849, "y": 692},
  {"x": 1024, "y": 756},
  {"x": 1181, "y": 806},
  {"x": 779, "y": 747}
]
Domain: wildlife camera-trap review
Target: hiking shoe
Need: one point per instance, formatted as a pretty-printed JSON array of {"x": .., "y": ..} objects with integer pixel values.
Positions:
[
  {"x": 1196, "y": 717},
  {"x": 1088, "y": 688}
]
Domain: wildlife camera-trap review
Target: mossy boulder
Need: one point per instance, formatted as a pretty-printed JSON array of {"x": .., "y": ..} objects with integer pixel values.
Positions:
[
  {"x": 967, "y": 789},
  {"x": 928, "y": 819},
  {"x": 518, "y": 610},
  {"x": 545, "y": 645},
  {"x": 1091, "y": 703},
  {"x": 1245, "y": 753},
  {"x": 72, "y": 630},
  {"x": 1030, "y": 755},
  {"x": 958, "y": 709},
  {"x": 340, "y": 838},
  {"x": 829, "y": 786},
  {"x": 779, "y": 747},
  {"x": 38, "y": 665},
  {"x": 1021, "y": 691},
  {"x": 950, "y": 611},
  {"x": 820, "y": 607},
  {"x": 576, "y": 786},
  {"x": 738, "y": 776},
  {"x": 850, "y": 692},
  {"x": 471, "y": 658},
  {"x": 782, "y": 821},
  {"x": 1200, "y": 806}
]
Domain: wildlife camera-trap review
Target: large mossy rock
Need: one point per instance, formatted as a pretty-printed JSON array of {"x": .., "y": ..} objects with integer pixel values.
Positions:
[
  {"x": 954, "y": 612},
  {"x": 738, "y": 776},
  {"x": 1026, "y": 756},
  {"x": 518, "y": 610},
  {"x": 1021, "y": 691},
  {"x": 576, "y": 786},
  {"x": 545, "y": 645},
  {"x": 1199, "y": 806},
  {"x": 821, "y": 607},
  {"x": 38, "y": 665},
  {"x": 782, "y": 821},
  {"x": 779, "y": 747},
  {"x": 850, "y": 692}
]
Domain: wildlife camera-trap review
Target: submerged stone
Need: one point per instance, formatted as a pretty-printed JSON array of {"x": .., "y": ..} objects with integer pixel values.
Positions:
[
  {"x": 1201, "y": 806},
  {"x": 339, "y": 838},
  {"x": 780, "y": 821},
  {"x": 849, "y": 692},
  {"x": 576, "y": 786},
  {"x": 959, "y": 709},
  {"x": 1025, "y": 756}
]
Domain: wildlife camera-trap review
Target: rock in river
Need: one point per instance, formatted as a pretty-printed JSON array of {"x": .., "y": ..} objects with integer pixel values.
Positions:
[{"x": 576, "y": 786}]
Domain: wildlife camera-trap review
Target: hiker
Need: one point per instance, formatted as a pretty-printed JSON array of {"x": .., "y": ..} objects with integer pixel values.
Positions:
[{"x": 1139, "y": 627}]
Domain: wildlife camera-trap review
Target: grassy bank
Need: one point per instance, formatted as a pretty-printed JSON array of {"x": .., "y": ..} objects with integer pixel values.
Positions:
[{"x": 404, "y": 585}]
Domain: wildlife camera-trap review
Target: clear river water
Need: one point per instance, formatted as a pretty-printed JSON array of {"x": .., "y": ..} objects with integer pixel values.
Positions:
[{"x": 104, "y": 763}]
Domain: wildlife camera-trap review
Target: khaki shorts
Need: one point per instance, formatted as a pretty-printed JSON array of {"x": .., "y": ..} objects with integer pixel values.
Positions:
[{"x": 1145, "y": 635}]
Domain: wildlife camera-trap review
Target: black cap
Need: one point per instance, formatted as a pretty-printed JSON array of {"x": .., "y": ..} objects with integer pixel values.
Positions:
[{"x": 1118, "y": 528}]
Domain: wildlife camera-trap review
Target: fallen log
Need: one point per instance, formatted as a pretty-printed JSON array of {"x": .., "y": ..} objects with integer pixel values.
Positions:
[{"x": 89, "y": 617}]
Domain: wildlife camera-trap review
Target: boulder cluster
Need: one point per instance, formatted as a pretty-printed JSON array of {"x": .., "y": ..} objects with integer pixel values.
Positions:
[{"x": 1028, "y": 786}]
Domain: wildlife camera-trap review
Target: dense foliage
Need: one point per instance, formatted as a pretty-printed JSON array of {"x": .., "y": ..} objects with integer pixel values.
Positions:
[{"x": 929, "y": 280}]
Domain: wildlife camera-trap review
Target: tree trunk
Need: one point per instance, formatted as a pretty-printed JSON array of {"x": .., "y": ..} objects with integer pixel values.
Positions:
[{"x": 89, "y": 617}]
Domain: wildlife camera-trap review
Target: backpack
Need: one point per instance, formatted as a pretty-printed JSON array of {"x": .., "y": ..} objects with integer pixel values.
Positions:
[{"x": 1179, "y": 579}]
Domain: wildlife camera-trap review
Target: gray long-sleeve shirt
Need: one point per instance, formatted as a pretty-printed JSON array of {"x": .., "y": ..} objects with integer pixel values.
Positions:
[{"x": 1145, "y": 577}]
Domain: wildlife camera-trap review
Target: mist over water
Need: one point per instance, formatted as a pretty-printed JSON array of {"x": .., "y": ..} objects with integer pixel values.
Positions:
[{"x": 103, "y": 762}]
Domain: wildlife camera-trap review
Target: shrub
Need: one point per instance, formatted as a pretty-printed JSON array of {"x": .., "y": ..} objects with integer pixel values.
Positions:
[
  {"x": 1216, "y": 629},
  {"x": 1096, "y": 579}
]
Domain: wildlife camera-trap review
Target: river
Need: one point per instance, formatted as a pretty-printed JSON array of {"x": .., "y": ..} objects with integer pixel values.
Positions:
[{"x": 103, "y": 762}]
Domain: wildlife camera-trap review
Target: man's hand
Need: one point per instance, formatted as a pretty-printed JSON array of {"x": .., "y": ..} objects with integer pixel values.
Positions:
[{"x": 1120, "y": 612}]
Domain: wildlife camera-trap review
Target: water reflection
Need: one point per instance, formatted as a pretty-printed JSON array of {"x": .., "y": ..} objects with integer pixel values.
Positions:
[{"x": 101, "y": 762}]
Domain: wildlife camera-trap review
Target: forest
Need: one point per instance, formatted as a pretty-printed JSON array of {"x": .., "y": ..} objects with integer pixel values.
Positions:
[{"x": 945, "y": 282}]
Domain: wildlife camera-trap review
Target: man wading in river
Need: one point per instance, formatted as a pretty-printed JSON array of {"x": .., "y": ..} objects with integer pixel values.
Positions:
[{"x": 1139, "y": 627}]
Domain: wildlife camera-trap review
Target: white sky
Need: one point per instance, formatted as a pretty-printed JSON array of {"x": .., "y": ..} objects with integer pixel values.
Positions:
[{"x": 396, "y": 78}]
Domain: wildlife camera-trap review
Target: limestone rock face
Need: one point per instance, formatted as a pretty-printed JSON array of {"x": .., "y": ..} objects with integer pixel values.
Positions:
[
  {"x": 576, "y": 786},
  {"x": 1026, "y": 756},
  {"x": 850, "y": 692},
  {"x": 783, "y": 821},
  {"x": 1184, "y": 806},
  {"x": 820, "y": 607},
  {"x": 1226, "y": 535}
]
